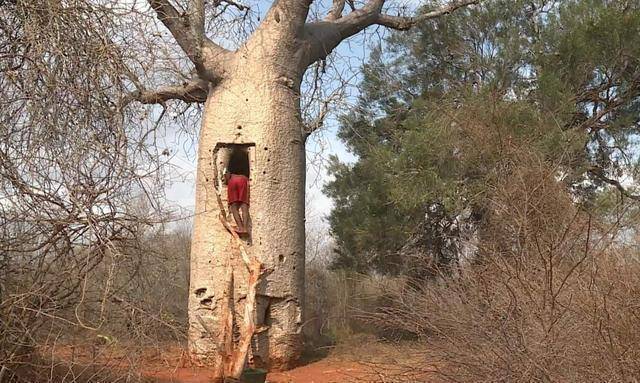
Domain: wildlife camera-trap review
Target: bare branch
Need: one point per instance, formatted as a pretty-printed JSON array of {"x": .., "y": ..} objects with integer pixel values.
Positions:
[
  {"x": 599, "y": 173},
  {"x": 318, "y": 122},
  {"x": 208, "y": 57},
  {"x": 171, "y": 19},
  {"x": 237, "y": 5},
  {"x": 336, "y": 10},
  {"x": 323, "y": 36},
  {"x": 196, "y": 19},
  {"x": 286, "y": 16},
  {"x": 404, "y": 23},
  {"x": 193, "y": 91}
]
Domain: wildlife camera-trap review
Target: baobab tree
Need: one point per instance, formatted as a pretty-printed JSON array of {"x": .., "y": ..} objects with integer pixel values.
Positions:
[
  {"x": 252, "y": 101},
  {"x": 251, "y": 96}
]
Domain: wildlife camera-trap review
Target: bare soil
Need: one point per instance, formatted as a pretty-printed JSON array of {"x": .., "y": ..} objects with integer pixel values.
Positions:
[
  {"x": 362, "y": 361},
  {"x": 323, "y": 371}
]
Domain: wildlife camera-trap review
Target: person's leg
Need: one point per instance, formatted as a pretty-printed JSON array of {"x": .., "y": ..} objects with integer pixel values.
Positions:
[
  {"x": 233, "y": 208},
  {"x": 246, "y": 218}
]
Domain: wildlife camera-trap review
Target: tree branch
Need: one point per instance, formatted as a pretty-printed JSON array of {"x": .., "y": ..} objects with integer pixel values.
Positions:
[
  {"x": 403, "y": 23},
  {"x": 336, "y": 10},
  {"x": 193, "y": 91},
  {"x": 208, "y": 57},
  {"x": 599, "y": 173},
  {"x": 239, "y": 6},
  {"x": 319, "y": 120},
  {"x": 171, "y": 19},
  {"x": 196, "y": 19},
  {"x": 324, "y": 36},
  {"x": 285, "y": 19}
]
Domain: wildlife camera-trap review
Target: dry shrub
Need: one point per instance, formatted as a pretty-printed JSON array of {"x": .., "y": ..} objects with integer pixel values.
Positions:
[
  {"x": 125, "y": 313},
  {"x": 335, "y": 301},
  {"x": 84, "y": 259},
  {"x": 552, "y": 295}
]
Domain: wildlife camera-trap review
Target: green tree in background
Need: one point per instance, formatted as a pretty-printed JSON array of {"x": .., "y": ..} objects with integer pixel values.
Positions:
[{"x": 449, "y": 110}]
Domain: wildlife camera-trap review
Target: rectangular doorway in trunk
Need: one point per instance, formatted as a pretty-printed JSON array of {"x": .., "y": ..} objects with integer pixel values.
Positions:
[{"x": 234, "y": 158}]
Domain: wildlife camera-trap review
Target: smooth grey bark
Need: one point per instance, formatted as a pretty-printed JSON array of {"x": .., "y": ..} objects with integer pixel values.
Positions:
[{"x": 257, "y": 104}]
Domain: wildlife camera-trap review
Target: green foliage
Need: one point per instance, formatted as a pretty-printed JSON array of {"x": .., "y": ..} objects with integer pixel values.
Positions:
[{"x": 459, "y": 103}]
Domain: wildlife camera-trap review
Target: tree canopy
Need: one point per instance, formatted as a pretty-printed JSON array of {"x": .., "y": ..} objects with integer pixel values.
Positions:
[{"x": 450, "y": 111}]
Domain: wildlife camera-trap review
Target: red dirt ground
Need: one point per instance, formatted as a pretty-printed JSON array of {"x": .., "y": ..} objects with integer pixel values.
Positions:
[
  {"x": 323, "y": 371},
  {"x": 357, "y": 363},
  {"x": 366, "y": 362}
]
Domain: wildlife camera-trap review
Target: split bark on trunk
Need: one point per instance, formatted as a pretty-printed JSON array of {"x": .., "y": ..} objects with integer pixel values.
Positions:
[{"x": 233, "y": 360}]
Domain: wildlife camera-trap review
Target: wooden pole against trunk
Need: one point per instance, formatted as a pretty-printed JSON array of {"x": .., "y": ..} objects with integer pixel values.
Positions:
[
  {"x": 233, "y": 360},
  {"x": 254, "y": 267},
  {"x": 225, "y": 346}
]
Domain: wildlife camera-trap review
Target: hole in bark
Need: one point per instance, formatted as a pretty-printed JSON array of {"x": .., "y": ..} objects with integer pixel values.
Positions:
[
  {"x": 239, "y": 160},
  {"x": 265, "y": 148},
  {"x": 200, "y": 292},
  {"x": 206, "y": 302},
  {"x": 264, "y": 172},
  {"x": 239, "y": 127}
]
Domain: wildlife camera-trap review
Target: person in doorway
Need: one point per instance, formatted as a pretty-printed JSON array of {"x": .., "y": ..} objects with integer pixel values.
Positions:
[{"x": 238, "y": 199}]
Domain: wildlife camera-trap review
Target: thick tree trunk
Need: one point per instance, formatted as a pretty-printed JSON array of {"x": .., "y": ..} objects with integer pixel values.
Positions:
[{"x": 256, "y": 105}]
